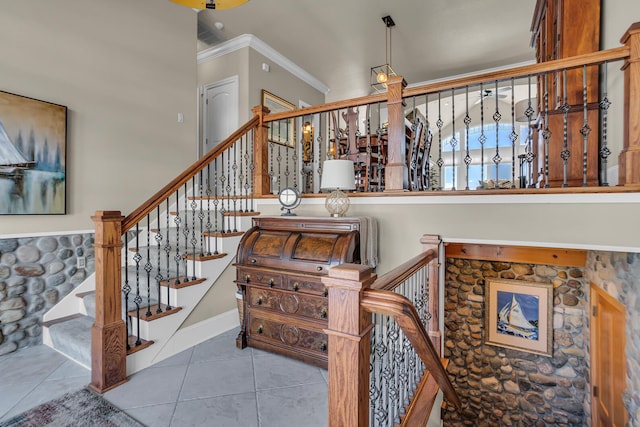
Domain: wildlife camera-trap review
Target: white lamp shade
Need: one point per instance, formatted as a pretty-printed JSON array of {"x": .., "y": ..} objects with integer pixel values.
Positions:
[{"x": 338, "y": 175}]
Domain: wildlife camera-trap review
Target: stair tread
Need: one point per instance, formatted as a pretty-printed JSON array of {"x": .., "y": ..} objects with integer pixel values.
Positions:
[{"x": 71, "y": 338}]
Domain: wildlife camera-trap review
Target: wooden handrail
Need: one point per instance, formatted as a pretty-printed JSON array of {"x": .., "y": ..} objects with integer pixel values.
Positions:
[
  {"x": 138, "y": 214},
  {"x": 593, "y": 58},
  {"x": 392, "y": 279},
  {"x": 401, "y": 309}
]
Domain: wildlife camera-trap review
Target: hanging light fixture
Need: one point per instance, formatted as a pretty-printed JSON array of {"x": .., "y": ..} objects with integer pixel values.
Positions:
[
  {"x": 211, "y": 4},
  {"x": 381, "y": 73}
]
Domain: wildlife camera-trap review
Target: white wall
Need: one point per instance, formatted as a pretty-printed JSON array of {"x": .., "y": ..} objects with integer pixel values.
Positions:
[{"x": 124, "y": 69}]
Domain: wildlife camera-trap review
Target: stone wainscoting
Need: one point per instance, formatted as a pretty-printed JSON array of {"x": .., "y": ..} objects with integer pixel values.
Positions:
[
  {"x": 618, "y": 273},
  {"x": 500, "y": 386},
  {"x": 35, "y": 273}
]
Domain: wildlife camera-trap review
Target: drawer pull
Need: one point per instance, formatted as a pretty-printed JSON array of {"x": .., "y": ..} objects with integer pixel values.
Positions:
[
  {"x": 323, "y": 347},
  {"x": 247, "y": 278},
  {"x": 253, "y": 260},
  {"x": 271, "y": 282},
  {"x": 325, "y": 292},
  {"x": 296, "y": 287},
  {"x": 323, "y": 314},
  {"x": 259, "y": 302},
  {"x": 319, "y": 268},
  {"x": 260, "y": 329}
]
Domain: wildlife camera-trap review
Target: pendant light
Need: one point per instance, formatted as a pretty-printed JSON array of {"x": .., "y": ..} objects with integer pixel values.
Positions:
[
  {"x": 381, "y": 73},
  {"x": 211, "y": 4}
]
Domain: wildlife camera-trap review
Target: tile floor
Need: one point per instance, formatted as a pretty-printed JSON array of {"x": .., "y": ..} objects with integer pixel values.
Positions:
[{"x": 212, "y": 384}]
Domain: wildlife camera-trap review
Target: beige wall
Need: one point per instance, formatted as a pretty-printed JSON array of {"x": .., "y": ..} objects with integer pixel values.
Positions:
[
  {"x": 278, "y": 81},
  {"x": 124, "y": 69}
]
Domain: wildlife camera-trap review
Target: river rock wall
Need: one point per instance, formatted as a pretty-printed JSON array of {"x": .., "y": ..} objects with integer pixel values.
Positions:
[{"x": 35, "y": 273}]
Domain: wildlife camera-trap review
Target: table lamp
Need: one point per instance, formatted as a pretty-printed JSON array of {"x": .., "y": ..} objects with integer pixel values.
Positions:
[{"x": 337, "y": 175}]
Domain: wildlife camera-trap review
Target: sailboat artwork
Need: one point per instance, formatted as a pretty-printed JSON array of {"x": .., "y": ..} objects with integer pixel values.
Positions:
[
  {"x": 32, "y": 156},
  {"x": 518, "y": 315}
]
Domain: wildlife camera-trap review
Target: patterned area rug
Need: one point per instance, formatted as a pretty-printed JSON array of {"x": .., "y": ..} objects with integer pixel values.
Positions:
[{"x": 80, "y": 408}]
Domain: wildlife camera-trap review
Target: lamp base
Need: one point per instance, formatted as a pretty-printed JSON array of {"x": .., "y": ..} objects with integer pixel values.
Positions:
[{"x": 337, "y": 203}]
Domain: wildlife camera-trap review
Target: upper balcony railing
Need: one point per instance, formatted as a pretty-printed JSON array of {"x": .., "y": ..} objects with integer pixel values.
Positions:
[{"x": 544, "y": 126}]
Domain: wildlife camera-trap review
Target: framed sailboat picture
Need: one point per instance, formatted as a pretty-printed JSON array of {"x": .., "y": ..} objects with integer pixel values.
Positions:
[{"x": 518, "y": 315}]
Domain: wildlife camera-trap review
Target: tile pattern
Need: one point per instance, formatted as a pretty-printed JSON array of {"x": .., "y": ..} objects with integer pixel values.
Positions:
[{"x": 212, "y": 383}]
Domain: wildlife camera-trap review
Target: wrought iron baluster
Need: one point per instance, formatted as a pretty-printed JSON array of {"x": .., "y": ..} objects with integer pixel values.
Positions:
[
  {"x": 126, "y": 290},
  {"x": 427, "y": 162},
  {"x": 440, "y": 123},
  {"x": 482, "y": 138},
  {"x": 565, "y": 107},
  {"x": 241, "y": 173},
  {"x": 585, "y": 130},
  {"x": 201, "y": 218},
  {"x": 223, "y": 180},
  {"x": 513, "y": 136},
  {"x": 604, "y": 104},
  {"x": 208, "y": 224},
  {"x": 467, "y": 122},
  {"x": 148, "y": 267},
  {"x": 453, "y": 141},
  {"x": 235, "y": 183},
  {"x": 185, "y": 234},
  {"x": 279, "y": 164},
  {"x": 546, "y": 134},
  {"x": 137, "y": 299},
  {"x": 176, "y": 257},
  {"x": 216, "y": 201},
  {"x": 228, "y": 191},
  {"x": 194, "y": 239},
  {"x": 251, "y": 167},
  {"x": 496, "y": 118},
  {"x": 167, "y": 251},
  {"x": 529, "y": 155},
  {"x": 159, "y": 277}
]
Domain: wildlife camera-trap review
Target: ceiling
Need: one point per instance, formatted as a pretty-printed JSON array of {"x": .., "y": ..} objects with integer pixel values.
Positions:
[{"x": 338, "y": 41}]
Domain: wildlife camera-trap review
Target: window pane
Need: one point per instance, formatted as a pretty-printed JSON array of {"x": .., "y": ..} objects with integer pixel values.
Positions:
[
  {"x": 504, "y": 171},
  {"x": 504, "y": 132},
  {"x": 446, "y": 143}
]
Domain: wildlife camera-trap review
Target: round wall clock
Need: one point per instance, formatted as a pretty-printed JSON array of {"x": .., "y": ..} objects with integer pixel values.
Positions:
[{"x": 289, "y": 198}]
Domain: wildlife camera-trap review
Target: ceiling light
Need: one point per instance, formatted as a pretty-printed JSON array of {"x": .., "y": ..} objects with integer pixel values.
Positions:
[
  {"x": 381, "y": 73},
  {"x": 211, "y": 4}
]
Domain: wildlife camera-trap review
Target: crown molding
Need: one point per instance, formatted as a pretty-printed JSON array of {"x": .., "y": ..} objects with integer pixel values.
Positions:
[{"x": 249, "y": 40}]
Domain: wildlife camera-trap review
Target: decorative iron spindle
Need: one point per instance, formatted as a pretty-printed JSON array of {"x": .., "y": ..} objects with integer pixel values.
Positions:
[
  {"x": 497, "y": 158},
  {"x": 427, "y": 161},
  {"x": 167, "y": 251},
  {"x": 454, "y": 141},
  {"x": 159, "y": 276},
  {"x": 201, "y": 218},
  {"x": 227, "y": 188},
  {"x": 604, "y": 107},
  {"x": 148, "y": 267},
  {"x": 440, "y": 123},
  {"x": 251, "y": 168},
  {"x": 513, "y": 136},
  {"x": 546, "y": 134},
  {"x": 126, "y": 290},
  {"x": 194, "y": 239},
  {"x": 529, "y": 155},
  {"x": 482, "y": 138},
  {"x": 241, "y": 174},
  {"x": 185, "y": 234},
  {"x": 467, "y": 122},
  {"x": 137, "y": 299},
  {"x": 585, "y": 130},
  {"x": 235, "y": 183},
  {"x": 216, "y": 201},
  {"x": 565, "y": 107},
  {"x": 208, "y": 225},
  {"x": 176, "y": 257}
]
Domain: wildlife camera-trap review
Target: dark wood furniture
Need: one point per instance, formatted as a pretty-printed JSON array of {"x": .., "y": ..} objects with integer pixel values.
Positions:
[
  {"x": 280, "y": 264},
  {"x": 562, "y": 29}
]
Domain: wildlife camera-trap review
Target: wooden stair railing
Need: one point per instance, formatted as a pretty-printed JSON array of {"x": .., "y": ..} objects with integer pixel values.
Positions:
[
  {"x": 109, "y": 332},
  {"x": 353, "y": 295}
]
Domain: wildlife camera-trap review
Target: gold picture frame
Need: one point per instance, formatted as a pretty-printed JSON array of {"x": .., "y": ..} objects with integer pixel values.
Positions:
[
  {"x": 518, "y": 315},
  {"x": 281, "y": 131}
]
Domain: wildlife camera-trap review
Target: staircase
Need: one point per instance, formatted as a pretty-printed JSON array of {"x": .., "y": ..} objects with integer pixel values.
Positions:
[{"x": 158, "y": 334}]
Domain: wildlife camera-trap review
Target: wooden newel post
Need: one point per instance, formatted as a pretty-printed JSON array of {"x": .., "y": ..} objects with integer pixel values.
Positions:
[
  {"x": 261, "y": 180},
  {"x": 396, "y": 172},
  {"x": 629, "y": 161},
  {"x": 432, "y": 241},
  {"x": 349, "y": 346},
  {"x": 109, "y": 332}
]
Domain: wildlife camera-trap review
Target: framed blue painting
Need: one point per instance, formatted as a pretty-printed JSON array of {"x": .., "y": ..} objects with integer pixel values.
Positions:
[
  {"x": 33, "y": 145},
  {"x": 518, "y": 315}
]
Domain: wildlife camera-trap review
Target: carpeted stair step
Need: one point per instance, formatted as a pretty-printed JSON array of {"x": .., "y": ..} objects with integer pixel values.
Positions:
[
  {"x": 73, "y": 338},
  {"x": 89, "y": 301}
]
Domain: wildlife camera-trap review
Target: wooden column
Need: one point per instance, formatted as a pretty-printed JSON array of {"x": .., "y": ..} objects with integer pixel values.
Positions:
[
  {"x": 432, "y": 241},
  {"x": 349, "y": 347},
  {"x": 261, "y": 180},
  {"x": 108, "y": 333},
  {"x": 396, "y": 172},
  {"x": 629, "y": 160}
]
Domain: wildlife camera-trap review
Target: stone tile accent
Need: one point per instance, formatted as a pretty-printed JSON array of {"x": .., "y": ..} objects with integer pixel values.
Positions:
[
  {"x": 35, "y": 273},
  {"x": 500, "y": 386},
  {"x": 618, "y": 273}
]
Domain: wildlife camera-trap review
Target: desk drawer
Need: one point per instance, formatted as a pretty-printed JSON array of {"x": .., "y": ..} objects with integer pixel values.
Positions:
[
  {"x": 305, "y": 284},
  {"x": 286, "y": 335},
  {"x": 313, "y": 307},
  {"x": 258, "y": 277}
]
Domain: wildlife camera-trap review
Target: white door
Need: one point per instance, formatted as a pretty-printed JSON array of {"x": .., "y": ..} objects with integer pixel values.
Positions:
[{"x": 220, "y": 112}]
